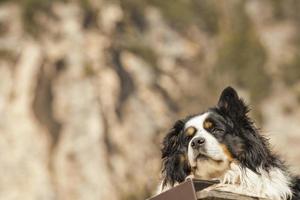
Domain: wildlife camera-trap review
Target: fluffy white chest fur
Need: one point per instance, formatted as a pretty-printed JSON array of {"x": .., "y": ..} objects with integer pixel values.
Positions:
[{"x": 273, "y": 184}]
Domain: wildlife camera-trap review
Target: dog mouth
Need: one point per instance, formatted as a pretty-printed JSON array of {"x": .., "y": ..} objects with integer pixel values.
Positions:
[
  {"x": 201, "y": 156},
  {"x": 204, "y": 157}
]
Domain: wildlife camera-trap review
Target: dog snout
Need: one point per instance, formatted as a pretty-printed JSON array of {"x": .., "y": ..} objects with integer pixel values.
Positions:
[{"x": 197, "y": 142}]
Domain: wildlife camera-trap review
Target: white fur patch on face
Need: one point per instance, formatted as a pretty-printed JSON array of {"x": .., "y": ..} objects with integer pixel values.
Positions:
[{"x": 217, "y": 161}]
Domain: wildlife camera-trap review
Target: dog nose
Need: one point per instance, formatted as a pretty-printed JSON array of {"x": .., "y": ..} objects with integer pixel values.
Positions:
[{"x": 197, "y": 142}]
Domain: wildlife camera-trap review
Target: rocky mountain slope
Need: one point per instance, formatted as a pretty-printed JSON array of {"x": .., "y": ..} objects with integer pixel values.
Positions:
[{"x": 88, "y": 88}]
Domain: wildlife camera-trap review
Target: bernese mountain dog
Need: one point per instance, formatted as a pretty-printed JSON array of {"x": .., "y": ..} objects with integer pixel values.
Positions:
[{"x": 224, "y": 144}]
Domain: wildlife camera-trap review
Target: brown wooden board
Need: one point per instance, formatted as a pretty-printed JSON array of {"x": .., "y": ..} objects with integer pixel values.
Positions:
[
  {"x": 193, "y": 190},
  {"x": 202, "y": 184},
  {"x": 184, "y": 191},
  {"x": 219, "y": 195}
]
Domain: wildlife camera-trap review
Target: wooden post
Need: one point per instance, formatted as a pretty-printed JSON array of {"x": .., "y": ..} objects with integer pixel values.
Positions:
[
  {"x": 194, "y": 190},
  {"x": 219, "y": 195}
]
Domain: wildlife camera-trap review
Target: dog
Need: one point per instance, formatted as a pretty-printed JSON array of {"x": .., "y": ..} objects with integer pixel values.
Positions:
[{"x": 224, "y": 144}]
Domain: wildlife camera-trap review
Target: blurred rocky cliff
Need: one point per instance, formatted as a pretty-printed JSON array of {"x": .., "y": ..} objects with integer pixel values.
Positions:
[{"x": 88, "y": 88}]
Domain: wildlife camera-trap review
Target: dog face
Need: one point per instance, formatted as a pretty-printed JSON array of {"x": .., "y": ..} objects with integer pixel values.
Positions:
[
  {"x": 207, "y": 155},
  {"x": 205, "y": 144}
]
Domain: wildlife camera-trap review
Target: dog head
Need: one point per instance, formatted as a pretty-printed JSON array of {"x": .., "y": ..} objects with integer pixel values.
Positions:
[{"x": 205, "y": 144}]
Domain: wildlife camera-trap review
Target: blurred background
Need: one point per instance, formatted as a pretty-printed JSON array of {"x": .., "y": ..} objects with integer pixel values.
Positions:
[{"x": 88, "y": 88}]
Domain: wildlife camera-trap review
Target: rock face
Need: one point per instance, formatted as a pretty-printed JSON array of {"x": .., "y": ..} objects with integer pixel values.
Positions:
[{"x": 89, "y": 88}]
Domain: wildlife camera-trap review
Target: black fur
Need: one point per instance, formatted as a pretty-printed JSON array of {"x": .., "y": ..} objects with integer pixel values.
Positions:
[
  {"x": 255, "y": 150},
  {"x": 296, "y": 188},
  {"x": 233, "y": 128},
  {"x": 174, "y": 150}
]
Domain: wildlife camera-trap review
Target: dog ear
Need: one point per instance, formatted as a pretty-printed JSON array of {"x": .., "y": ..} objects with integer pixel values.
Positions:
[
  {"x": 171, "y": 140},
  {"x": 175, "y": 165},
  {"x": 230, "y": 103}
]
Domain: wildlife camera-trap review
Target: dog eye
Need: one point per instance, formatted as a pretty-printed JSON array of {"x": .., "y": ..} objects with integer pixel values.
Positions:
[
  {"x": 208, "y": 124},
  {"x": 190, "y": 131}
]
